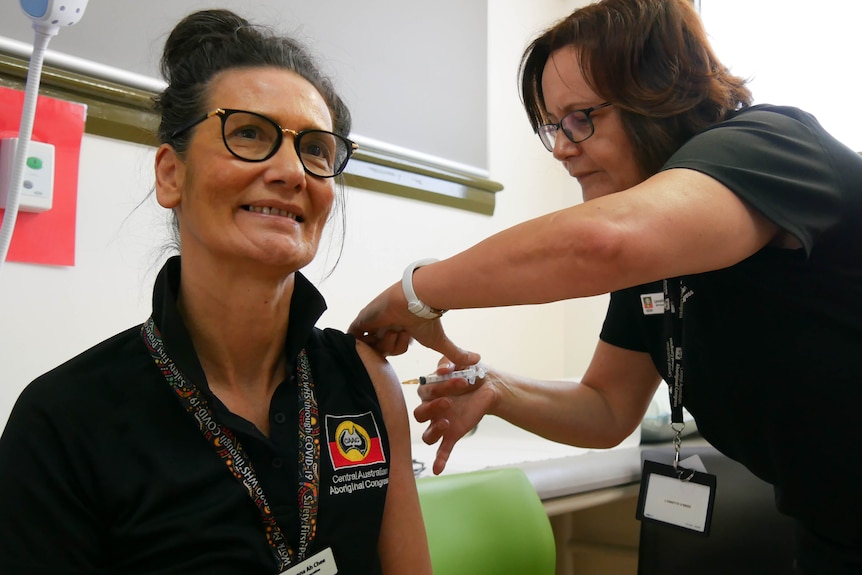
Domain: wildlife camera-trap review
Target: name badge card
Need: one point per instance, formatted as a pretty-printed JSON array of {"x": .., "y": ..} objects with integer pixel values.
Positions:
[
  {"x": 652, "y": 303},
  {"x": 681, "y": 497},
  {"x": 322, "y": 563}
]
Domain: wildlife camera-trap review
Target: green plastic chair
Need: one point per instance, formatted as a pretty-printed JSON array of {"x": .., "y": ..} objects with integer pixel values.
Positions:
[{"x": 486, "y": 522}]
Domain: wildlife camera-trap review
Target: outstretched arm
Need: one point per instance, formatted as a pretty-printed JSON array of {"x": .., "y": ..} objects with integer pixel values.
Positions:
[{"x": 675, "y": 223}]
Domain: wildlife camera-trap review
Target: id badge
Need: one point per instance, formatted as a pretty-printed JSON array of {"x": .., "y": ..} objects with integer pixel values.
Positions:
[
  {"x": 652, "y": 303},
  {"x": 681, "y": 497},
  {"x": 322, "y": 563}
]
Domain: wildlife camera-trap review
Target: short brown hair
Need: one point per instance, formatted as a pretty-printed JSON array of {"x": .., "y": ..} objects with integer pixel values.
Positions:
[{"x": 652, "y": 60}]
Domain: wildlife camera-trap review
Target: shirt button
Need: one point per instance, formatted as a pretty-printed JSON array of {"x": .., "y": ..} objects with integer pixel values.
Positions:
[
  {"x": 277, "y": 462},
  {"x": 280, "y": 417}
]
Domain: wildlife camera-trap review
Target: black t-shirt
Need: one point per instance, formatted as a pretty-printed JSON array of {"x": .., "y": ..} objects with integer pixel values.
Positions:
[
  {"x": 102, "y": 471},
  {"x": 772, "y": 343}
]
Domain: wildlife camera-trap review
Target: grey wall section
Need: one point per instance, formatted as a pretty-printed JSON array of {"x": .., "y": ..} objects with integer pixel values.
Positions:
[{"x": 413, "y": 73}]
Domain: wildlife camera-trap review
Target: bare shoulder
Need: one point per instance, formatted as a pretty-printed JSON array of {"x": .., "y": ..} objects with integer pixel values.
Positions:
[{"x": 383, "y": 377}]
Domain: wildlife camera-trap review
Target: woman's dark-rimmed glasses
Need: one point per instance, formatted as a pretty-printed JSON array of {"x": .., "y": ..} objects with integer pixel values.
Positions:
[
  {"x": 253, "y": 137},
  {"x": 577, "y": 125}
]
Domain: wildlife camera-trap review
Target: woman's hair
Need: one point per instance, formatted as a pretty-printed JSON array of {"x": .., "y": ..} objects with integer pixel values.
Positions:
[
  {"x": 652, "y": 60},
  {"x": 208, "y": 42}
]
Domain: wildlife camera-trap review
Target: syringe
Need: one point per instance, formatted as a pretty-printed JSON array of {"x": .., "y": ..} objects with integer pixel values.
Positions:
[{"x": 470, "y": 374}]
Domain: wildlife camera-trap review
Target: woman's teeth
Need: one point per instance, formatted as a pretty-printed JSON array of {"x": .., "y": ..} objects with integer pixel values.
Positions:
[{"x": 272, "y": 212}]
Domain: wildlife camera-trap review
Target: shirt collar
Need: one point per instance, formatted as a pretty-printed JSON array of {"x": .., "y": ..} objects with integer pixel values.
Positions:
[{"x": 306, "y": 307}]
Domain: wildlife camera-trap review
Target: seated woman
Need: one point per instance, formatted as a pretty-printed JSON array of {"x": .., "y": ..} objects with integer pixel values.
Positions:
[{"x": 227, "y": 434}]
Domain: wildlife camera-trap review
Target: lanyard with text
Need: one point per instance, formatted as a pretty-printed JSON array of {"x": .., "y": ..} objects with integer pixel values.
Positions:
[
  {"x": 233, "y": 455},
  {"x": 674, "y": 308},
  {"x": 683, "y": 494}
]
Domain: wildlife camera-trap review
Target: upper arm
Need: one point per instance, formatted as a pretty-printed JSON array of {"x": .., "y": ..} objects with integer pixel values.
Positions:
[
  {"x": 403, "y": 544},
  {"x": 677, "y": 222}
]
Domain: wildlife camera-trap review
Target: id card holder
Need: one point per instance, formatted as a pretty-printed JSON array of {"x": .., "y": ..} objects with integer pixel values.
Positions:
[
  {"x": 322, "y": 563},
  {"x": 677, "y": 496}
]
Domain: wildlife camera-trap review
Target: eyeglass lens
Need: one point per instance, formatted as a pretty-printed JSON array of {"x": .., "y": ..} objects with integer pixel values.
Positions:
[
  {"x": 253, "y": 137},
  {"x": 577, "y": 126}
]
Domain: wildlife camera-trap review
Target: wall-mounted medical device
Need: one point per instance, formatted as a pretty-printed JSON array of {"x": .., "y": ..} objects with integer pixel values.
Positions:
[
  {"x": 54, "y": 13},
  {"x": 37, "y": 187},
  {"x": 47, "y": 16}
]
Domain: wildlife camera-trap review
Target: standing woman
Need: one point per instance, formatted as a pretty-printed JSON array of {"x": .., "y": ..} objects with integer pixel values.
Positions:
[
  {"x": 745, "y": 221},
  {"x": 227, "y": 434}
]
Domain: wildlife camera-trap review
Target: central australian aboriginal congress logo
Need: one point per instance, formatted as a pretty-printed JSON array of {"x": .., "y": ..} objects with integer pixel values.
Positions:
[{"x": 354, "y": 440}]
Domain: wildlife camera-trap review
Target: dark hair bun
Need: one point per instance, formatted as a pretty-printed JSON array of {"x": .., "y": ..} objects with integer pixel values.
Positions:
[
  {"x": 195, "y": 33},
  {"x": 209, "y": 42}
]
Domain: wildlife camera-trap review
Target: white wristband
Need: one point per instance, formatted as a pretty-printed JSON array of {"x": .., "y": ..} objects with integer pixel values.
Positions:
[{"x": 414, "y": 304}]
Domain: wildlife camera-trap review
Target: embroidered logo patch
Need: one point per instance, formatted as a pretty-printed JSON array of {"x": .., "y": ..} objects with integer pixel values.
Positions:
[{"x": 353, "y": 440}]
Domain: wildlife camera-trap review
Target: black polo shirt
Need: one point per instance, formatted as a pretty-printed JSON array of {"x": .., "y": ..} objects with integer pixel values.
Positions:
[
  {"x": 771, "y": 344},
  {"x": 103, "y": 471}
]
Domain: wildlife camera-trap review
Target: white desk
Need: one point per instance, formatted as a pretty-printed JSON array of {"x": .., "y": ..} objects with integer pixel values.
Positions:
[
  {"x": 566, "y": 478},
  {"x": 555, "y": 470}
]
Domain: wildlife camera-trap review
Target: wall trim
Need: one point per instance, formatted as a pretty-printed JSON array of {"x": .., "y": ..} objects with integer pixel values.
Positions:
[{"x": 119, "y": 106}]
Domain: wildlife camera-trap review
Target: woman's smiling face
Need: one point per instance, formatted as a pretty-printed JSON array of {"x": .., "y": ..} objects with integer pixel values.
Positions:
[{"x": 271, "y": 212}]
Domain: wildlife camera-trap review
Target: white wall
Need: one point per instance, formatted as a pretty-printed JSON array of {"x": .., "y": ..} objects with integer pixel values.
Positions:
[
  {"x": 795, "y": 55},
  {"x": 49, "y": 314},
  {"x": 439, "y": 46}
]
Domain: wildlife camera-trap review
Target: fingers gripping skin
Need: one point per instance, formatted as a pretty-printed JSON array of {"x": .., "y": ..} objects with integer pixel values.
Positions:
[
  {"x": 389, "y": 342},
  {"x": 388, "y": 326}
]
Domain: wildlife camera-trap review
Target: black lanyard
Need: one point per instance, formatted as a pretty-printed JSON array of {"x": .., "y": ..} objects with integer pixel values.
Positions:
[
  {"x": 675, "y": 295},
  {"x": 233, "y": 455},
  {"x": 674, "y": 307}
]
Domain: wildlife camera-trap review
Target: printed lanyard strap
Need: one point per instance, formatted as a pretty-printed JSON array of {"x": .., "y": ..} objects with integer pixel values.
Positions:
[
  {"x": 673, "y": 317},
  {"x": 233, "y": 455},
  {"x": 674, "y": 309}
]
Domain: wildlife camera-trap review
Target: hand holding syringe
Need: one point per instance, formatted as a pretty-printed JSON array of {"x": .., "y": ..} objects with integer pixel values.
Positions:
[{"x": 470, "y": 374}]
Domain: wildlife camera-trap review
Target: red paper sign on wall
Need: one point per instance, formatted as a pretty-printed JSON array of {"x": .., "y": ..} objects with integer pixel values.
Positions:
[{"x": 47, "y": 237}]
